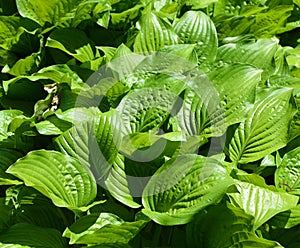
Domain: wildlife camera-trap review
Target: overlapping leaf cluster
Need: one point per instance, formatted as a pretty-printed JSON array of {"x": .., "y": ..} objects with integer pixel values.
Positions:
[{"x": 170, "y": 123}]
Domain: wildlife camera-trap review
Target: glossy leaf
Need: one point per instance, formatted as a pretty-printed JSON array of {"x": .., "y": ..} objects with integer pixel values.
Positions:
[
  {"x": 63, "y": 179},
  {"x": 154, "y": 34},
  {"x": 287, "y": 219},
  {"x": 195, "y": 27},
  {"x": 117, "y": 183},
  {"x": 31, "y": 236},
  {"x": 94, "y": 142},
  {"x": 266, "y": 128},
  {"x": 53, "y": 13},
  {"x": 144, "y": 109},
  {"x": 8, "y": 157},
  {"x": 209, "y": 107},
  {"x": 288, "y": 172},
  {"x": 103, "y": 228},
  {"x": 182, "y": 187},
  {"x": 73, "y": 42},
  {"x": 224, "y": 226},
  {"x": 259, "y": 54},
  {"x": 6, "y": 117},
  {"x": 261, "y": 203}
]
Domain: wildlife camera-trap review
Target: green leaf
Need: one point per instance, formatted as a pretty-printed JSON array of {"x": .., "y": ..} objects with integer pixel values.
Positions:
[
  {"x": 94, "y": 142},
  {"x": 195, "y": 27},
  {"x": 154, "y": 33},
  {"x": 224, "y": 226},
  {"x": 6, "y": 117},
  {"x": 144, "y": 109},
  {"x": 182, "y": 187},
  {"x": 63, "y": 179},
  {"x": 103, "y": 228},
  {"x": 8, "y": 157},
  {"x": 261, "y": 203},
  {"x": 287, "y": 219},
  {"x": 209, "y": 107},
  {"x": 265, "y": 130},
  {"x": 15, "y": 33},
  {"x": 74, "y": 42},
  {"x": 117, "y": 183},
  {"x": 288, "y": 172},
  {"x": 64, "y": 14},
  {"x": 31, "y": 207},
  {"x": 32, "y": 236},
  {"x": 259, "y": 54}
]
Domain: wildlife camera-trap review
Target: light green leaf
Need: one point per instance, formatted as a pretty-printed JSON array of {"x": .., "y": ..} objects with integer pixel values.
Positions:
[
  {"x": 182, "y": 187},
  {"x": 8, "y": 157},
  {"x": 103, "y": 228},
  {"x": 6, "y": 117},
  {"x": 94, "y": 142},
  {"x": 144, "y": 109},
  {"x": 32, "y": 236},
  {"x": 66, "y": 13},
  {"x": 213, "y": 103},
  {"x": 261, "y": 203},
  {"x": 287, "y": 219},
  {"x": 154, "y": 33},
  {"x": 124, "y": 61},
  {"x": 66, "y": 181},
  {"x": 288, "y": 173},
  {"x": 74, "y": 42},
  {"x": 117, "y": 183},
  {"x": 259, "y": 54},
  {"x": 224, "y": 226},
  {"x": 265, "y": 130},
  {"x": 195, "y": 27}
]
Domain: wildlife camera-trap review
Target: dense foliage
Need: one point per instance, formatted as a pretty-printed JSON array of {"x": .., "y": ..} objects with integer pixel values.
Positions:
[{"x": 169, "y": 123}]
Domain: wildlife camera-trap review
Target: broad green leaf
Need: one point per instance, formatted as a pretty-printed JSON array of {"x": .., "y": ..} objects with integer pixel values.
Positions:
[
  {"x": 94, "y": 142},
  {"x": 195, "y": 27},
  {"x": 182, "y": 187},
  {"x": 124, "y": 61},
  {"x": 103, "y": 228},
  {"x": 172, "y": 60},
  {"x": 16, "y": 34},
  {"x": 258, "y": 20},
  {"x": 6, "y": 116},
  {"x": 32, "y": 236},
  {"x": 265, "y": 130},
  {"x": 144, "y": 109},
  {"x": 287, "y": 219},
  {"x": 213, "y": 103},
  {"x": 8, "y": 157},
  {"x": 74, "y": 42},
  {"x": 154, "y": 33},
  {"x": 224, "y": 226},
  {"x": 66, "y": 181},
  {"x": 57, "y": 73},
  {"x": 117, "y": 183},
  {"x": 63, "y": 13},
  {"x": 288, "y": 172},
  {"x": 261, "y": 203},
  {"x": 259, "y": 54}
]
